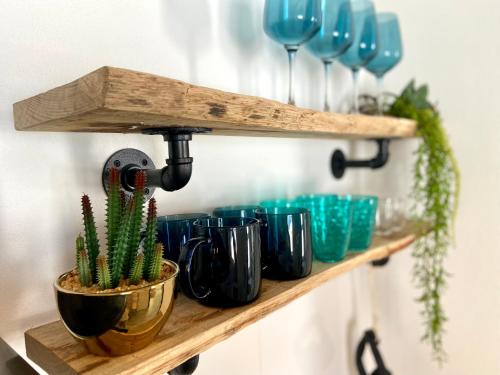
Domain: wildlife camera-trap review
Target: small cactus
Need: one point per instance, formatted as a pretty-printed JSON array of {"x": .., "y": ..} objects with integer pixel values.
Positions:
[
  {"x": 135, "y": 221},
  {"x": 90, "y": 233},
  {"x": 84, "y": 268},
  {"x": 103, "y": 275},
  {"x": 156, "y": 263},
  {"x": 150, "y": 239},
  {"x": 136, "y": 270},
  {"x": 80, "y": 245}
]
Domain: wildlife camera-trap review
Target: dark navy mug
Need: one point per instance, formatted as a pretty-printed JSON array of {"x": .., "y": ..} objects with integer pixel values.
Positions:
[
  {"x": 174, "y": 231},
  {"x": 226, "y": 253},
  {"x": 286, "y": 242}
]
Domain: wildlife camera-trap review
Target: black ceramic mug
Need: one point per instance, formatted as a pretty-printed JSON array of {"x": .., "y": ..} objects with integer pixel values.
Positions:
[
  {"x": 228, "y": 272},
  {"x": 286, "y": 242}
]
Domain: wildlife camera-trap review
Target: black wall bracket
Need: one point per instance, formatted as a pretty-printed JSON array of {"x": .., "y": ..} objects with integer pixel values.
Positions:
[
  {"x": 339, "y": 163},
  {"x": 172, "y": 177}
]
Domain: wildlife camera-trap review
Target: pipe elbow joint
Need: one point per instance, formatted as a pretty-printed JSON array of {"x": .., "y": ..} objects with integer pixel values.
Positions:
[{"x": 176, "y": 176}]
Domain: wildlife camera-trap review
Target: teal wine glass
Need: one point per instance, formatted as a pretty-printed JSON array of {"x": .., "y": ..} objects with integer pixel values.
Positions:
[
  {"x": 292, "y": 23},
  {"x": 333, "y": 39},
  {"x": 236, "y": 211},
  {"x": 364, "y": 46},
  {"x": 389, "y": 51}
]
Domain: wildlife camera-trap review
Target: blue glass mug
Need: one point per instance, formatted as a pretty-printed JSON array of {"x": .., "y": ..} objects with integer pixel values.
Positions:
[
  {"x": 229, "y": 266},
  {"x": 286, "y": 242}
]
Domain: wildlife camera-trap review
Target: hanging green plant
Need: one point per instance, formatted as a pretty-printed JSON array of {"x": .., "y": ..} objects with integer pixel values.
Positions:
[{"x": 436, "y": 189}]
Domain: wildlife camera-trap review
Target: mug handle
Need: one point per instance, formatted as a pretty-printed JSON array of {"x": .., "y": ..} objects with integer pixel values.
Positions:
[{"x": 185, "y": 264}]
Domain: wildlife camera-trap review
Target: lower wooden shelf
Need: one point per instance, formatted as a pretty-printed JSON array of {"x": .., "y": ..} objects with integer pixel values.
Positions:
[{"x": 193, "y": 328}]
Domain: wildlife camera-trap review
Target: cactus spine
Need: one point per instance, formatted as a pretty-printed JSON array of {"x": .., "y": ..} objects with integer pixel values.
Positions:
[
  {"x": 113, "y": 210},
  {"x": 90, "y": 234},
  {"x": 84, "y": 268},
  {"x": 103, "y": 275},
  {"x": 137, "y": 269},
  {"x": 155, "y": 266},
  {"x": 150, "y": 240},
  {"x": 135, "y": 221}
]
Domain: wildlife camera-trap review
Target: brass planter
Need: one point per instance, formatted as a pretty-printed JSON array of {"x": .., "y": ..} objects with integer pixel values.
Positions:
[{"x": 112, "y": 324}]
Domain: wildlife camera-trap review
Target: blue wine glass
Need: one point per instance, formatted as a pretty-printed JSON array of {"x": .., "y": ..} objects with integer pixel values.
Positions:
[
  {"x": 364, "y": 46},
  {"x": 292, "y": 23},
  {"x": 333, "y": 39},
  {"x": 389, "y": 52}
]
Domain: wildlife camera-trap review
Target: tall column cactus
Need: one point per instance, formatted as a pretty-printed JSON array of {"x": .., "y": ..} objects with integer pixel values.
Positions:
[
  {"x": 136, "y": 271},
  {"x": 113, "y": 210},
  {"x": 120, "y": 249},
  {"x": 90, "y": 234},
  {"x": 135, "y": 221},
  {"x": 154, "y": 270},
  {"x": 103, "y": 274}
]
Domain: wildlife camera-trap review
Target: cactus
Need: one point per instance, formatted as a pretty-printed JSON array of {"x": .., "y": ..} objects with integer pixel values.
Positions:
[
  {"x": 137, "y": 269},
  {"x": 120, "y": 249},
  {"x": 80, "y": 245},
  {"x": 103, "y": 275},
  {"x": 90, "y": 234},
  {"x": 154, "y": 270},
  {"x": 135, "y": 221},
  {"x": 150, "y": 240},
  {"x": 113, "y": 210},
  {"x": 84, "y": 268},
  {"x": 123, "y": 224}
]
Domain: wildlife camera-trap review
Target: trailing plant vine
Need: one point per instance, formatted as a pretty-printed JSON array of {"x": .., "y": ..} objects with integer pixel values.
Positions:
[{"x": 436, "y": 189}]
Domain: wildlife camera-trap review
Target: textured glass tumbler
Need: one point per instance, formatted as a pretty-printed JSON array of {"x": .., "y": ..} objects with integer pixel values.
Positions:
[
  {"x": 276, "y": 203},
  {"x": 331, "y": 219},
  {"x": 363, "y": 221},
  {"x": 236, "y": 211}
]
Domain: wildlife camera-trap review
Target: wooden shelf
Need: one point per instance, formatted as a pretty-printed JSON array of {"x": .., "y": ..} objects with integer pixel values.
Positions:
[
  {"x": 192, "y": 327},
  {"x": 117, "y": 100}
]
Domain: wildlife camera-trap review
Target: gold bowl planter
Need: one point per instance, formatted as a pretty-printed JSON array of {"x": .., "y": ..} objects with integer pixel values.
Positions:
[{"x": 117, "y": 323}]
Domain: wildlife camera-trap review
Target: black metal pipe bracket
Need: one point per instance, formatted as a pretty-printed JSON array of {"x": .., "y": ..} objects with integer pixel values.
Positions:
[
  {"x": 174, "y": 176},
  {"x": 339, "y": 163}
]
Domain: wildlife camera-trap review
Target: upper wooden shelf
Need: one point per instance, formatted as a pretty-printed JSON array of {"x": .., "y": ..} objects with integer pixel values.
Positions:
[
  {"x": 114, "y": 100},
  {"x": 192, "y": 327}
]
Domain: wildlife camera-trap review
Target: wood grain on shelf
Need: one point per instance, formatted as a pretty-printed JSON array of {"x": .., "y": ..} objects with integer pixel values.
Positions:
[
  {"x": 193, "y": 328},
  {"x": 124, "y": 101}
]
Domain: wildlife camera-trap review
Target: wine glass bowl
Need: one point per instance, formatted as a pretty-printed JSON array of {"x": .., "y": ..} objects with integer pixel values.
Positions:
[
  {"x": 292, "y": 23},
  {"x": 390, "y": 47}
]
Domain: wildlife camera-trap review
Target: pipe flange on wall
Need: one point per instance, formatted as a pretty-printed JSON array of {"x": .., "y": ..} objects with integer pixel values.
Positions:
[
  {"x": 173, "y": 177},
  {"x": 339, "y": 163}
]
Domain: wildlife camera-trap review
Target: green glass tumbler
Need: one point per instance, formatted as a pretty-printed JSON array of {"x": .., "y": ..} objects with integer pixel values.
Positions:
[
  {"x": 363, "y": 221},
  {"x": 331, "y": 219},
  {"x": 236, "y": 211},
  {"x": 271, "y": 203}
]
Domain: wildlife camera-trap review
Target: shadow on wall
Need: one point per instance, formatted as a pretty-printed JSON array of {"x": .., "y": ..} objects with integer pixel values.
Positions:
[{"x": 188, "y": 25}]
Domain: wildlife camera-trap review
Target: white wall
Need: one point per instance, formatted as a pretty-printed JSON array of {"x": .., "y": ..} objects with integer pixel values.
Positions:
[{"x": 450, "y": 44}]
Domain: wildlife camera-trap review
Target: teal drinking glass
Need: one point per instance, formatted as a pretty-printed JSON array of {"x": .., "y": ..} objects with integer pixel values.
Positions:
[
  {"x": 333, "y": 38},
  {"x": 292, "y": 23},
  {"x": 331, "y": 219},
  {"x": 364, "y": 46},
  {"x": 389, "y": 51},
  {"x": 363, "y": 221},
  {"x": 236, "y": 211}
]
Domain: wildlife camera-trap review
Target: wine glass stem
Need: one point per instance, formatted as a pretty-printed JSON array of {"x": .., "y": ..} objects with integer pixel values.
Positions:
[
  {"x": 328, "y": 94},
  {"x": 355, "y": 89},
  {"x": 291, "y": 70},
  {"x": 380, "y": 97}
]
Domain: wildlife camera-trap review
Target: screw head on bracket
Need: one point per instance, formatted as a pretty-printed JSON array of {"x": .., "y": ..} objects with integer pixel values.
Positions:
[
  {"x": 338, "y": 164},
  {"x": 125, "y": 160}
]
